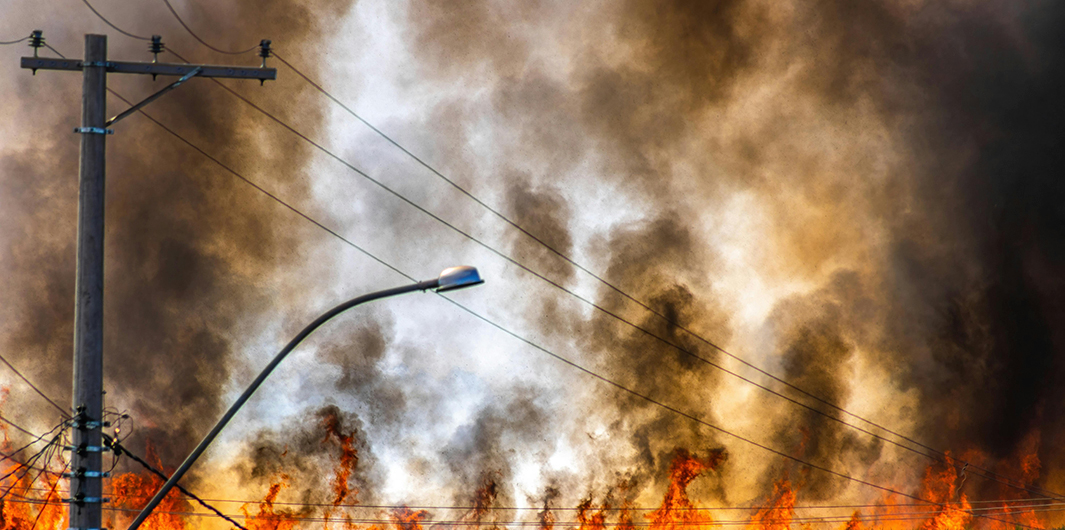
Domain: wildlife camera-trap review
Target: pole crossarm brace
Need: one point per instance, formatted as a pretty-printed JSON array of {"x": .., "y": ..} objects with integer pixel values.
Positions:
[
  {"x": 155, "y": 96},
  {"x": 174, "y": 69}
]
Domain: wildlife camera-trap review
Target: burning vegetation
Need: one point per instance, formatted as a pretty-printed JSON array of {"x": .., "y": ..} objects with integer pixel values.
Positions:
[{"x": 32, "y": 501}]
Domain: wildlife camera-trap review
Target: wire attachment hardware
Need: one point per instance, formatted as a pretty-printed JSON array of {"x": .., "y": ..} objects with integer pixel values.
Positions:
[
  {"x": 78, "y": 499},
  {"x": 93, "y": 130},
  {"x": 36, "y": 42},
  {"x": 264, "y": 52},
  {"x": 84, "y": 425},
  {"x": 88, "y": 474},
  {"x": 82, "y": 449},
  {"x": 156, "y": 47}
]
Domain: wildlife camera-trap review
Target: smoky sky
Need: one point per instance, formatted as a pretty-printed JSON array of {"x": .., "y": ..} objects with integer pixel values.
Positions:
[
  {"x": 186, "y": 244},
  {"x": 958, "y": 298},
  {"x": 878, "y": 183}
]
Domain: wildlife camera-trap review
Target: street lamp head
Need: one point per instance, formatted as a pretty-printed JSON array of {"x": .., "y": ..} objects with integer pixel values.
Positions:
[{"x": 454, "y": 278}]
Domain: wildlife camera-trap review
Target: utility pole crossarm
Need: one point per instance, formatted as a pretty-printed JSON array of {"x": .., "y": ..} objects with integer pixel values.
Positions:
[{"x": 174, "y": 69}]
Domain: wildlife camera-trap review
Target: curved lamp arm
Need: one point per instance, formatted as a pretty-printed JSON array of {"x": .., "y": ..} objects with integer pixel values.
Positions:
[{"x": 449, "y": 280}]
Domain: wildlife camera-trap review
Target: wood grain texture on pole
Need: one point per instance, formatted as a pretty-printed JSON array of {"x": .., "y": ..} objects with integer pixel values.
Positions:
[{"x": 86, "y": 490}]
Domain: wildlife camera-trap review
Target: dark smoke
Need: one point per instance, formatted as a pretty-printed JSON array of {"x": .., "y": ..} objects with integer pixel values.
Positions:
[
  {"x": 898, "y": 165},
  {"x": 961, "y": 303},
  {"x": 305, "y": 455},
  {"x": 193, "y": 255}
]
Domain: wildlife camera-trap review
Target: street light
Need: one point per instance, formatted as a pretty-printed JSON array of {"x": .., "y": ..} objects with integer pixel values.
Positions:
[{"x": 449, "y": 280}]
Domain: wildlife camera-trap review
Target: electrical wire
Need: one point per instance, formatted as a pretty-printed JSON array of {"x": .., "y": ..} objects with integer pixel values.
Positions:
[
  {"x": 197, "y": 37},
  {"x": 1001, "y": 504},
  {"x": 569, "y": 362},
  {"x": 5, "y": 43},
  {"x": 16, "y": 426},
  {"x": 108, "y": 22},
  {"x": 120, "y": 450},
  {"x": 670, "y": 321},
  {"x": 11, "y": 456},
  {"x": 26, "y": 468},
  {"x": 51, "y": 494},
  {"x": 756, "y": 519},
  {"x": 943, "y": 456},
  {"x": 492, "y": 323},
  {"x": 64, "y": 412}
]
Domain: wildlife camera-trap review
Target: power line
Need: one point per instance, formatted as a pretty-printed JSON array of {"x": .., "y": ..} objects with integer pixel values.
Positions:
[
  {"x": 4, "y": 43},
  {"x": 648, "y": 307},
  {"x": 66, "y": 415},
  {"x": 830, "y": 519},
  {"x": 108, "y": 22},
  {"x": 252, "y": 183},
  {"x": 119, "y": 450},
  {"x": 51, "y": 494},
  {"x": 943, "y": 456},
  {"x": 11, "y": 456},
  {"x": 195, "y": 36},
  {"x": 27, "y": 467},
  {"x": 16, "y": 426},
  {"x": 1004, "y": 504},
  {"x": 589, "y": 372},
  {"x": 516, "y": 336},
  {"x": 602, "y": 378}
]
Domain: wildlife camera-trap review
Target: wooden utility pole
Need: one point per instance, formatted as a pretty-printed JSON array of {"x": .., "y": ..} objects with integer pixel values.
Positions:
[
  {"x": 86, "y": 474},
  {"x": 85, "y": 510}
]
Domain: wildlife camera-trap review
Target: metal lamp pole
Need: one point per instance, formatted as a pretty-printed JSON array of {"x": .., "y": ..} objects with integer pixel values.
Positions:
[{"x": 449, "y": 280}]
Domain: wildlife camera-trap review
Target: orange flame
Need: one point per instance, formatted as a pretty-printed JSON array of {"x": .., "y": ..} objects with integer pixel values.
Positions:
[
  {"x": 677, "y": 511},
  {"x": 588, "y": 519},
  {"x": 406, "y": 519},
  {"x": 349, "y": 458},
  {"x": 778, "y": 514},
  {"x": 268, "y": 518}
]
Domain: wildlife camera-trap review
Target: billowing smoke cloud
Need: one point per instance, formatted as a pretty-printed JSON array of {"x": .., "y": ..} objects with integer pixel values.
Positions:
[
  {"x": 187, "y": 244},
  {"x": 862, "y": 197},
  {"x": 900, "y": 153}
]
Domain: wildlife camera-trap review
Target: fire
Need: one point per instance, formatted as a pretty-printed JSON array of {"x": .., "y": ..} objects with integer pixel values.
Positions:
[
  {"x": 23, "y": 505},
  {"x": 132, "y": 491},
  {"x": 855, "y": 523},
  {"x": 407, "y": 519},
  {"x": 267, "y": 517},
  {"x": 589, "y": 518},
  {"x": 940, "y": 486},
  {"x": 484, "y": 497},
  {"x": 349, "y": 458},
  {"x": 47, "y": 512},
  {"x": 778, "y": 514},
  {"x": 33, "y": 499},
  {"x": 677, "y": 511}
]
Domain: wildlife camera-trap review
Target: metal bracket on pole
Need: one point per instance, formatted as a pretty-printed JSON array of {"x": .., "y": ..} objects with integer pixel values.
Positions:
[
  {"x": 91, "y": 475},
  {"x": 80, "y": 449},
  {"x": 87, "y": 500},
  {"x": 77, "y": 424},
  {"x": 93, "y": 130},
  {"x": 195, "y": 71}
]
